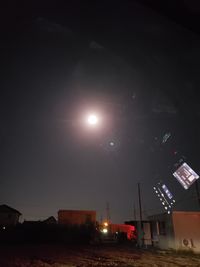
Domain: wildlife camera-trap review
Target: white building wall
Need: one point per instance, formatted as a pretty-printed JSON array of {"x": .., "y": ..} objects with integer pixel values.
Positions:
[{"x": 187, "y": 230}]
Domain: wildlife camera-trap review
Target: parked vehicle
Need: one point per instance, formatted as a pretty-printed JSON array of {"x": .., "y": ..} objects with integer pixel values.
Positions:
[{"x": 117, "y": 232}]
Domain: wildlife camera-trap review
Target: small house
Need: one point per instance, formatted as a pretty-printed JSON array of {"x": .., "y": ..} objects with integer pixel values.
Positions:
[
  {"x": 76, "y": 217},
  {"x": 50, "y": 220},
  {"x": 9, "y": 216},
  {"x": 180, "y": 230}
]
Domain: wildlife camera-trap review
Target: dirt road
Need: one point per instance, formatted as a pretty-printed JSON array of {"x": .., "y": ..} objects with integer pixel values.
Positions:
[{"x": 88, "y": 256}]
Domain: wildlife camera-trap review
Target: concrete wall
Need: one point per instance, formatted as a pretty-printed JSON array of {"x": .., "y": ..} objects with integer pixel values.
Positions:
[
  {"x": 77, "y": 217},
  {"x": 187, "y": 230}
]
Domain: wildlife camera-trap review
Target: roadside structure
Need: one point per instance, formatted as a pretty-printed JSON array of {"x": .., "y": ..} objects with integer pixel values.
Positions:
[
  {"x": 50, "y": 220},
  {"x": 76, "y": 217},
  {"x": 180, "y": 230},
  {"x": 8, "y": 216},
  {"x": 145, "y": 233}
]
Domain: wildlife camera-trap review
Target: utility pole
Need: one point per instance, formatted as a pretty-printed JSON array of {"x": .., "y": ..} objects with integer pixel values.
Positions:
[
  {"x": 140, "y": 205},
  {"x": 101, "y": 219},
  {"x": 140, "y": 230},
  {"x": 197, "y": 192},
  {"x": 108, "y": 212},
  {"x": 134, "y": 212}
]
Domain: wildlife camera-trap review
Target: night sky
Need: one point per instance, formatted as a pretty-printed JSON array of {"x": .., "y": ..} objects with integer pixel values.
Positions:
[{"x": 135, "y": 67}]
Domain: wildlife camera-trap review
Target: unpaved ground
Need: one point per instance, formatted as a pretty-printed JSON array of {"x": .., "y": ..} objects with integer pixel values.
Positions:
[{"x": 88, "y": 256}]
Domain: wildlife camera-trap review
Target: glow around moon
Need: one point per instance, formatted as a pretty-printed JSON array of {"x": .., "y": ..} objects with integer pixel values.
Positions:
[{"x": 92, "y": 119}]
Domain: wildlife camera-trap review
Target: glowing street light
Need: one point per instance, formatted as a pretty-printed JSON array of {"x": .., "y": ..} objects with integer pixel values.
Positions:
[
  {"x": 105, "y": 224},
  {"x": 105, "y": 230}
]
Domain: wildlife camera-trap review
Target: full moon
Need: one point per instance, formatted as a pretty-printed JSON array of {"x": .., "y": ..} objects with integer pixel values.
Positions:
[{"x": 92, "y": 119}]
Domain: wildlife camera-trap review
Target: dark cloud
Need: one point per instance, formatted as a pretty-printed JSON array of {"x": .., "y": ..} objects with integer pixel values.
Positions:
[{"x": 52, "y": 27}]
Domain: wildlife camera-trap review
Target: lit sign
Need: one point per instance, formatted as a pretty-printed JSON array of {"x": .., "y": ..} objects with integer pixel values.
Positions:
[
  {"x": 165, "y": 196},
  {"x": 167, "y": 192},
  {"x": 185, "y": 175}
]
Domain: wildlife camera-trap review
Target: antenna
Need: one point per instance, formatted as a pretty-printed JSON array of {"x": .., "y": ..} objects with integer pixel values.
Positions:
[
  {"x": 108, "y": 212},
  {"x": 134, "y": 212}
]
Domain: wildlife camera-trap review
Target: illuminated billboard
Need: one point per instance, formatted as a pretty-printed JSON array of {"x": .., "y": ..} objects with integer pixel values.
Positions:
[
  {"x": 167, "y": 192},
  {"x": 165, "y": 196},
  {"x": 185, "y": 175}
]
